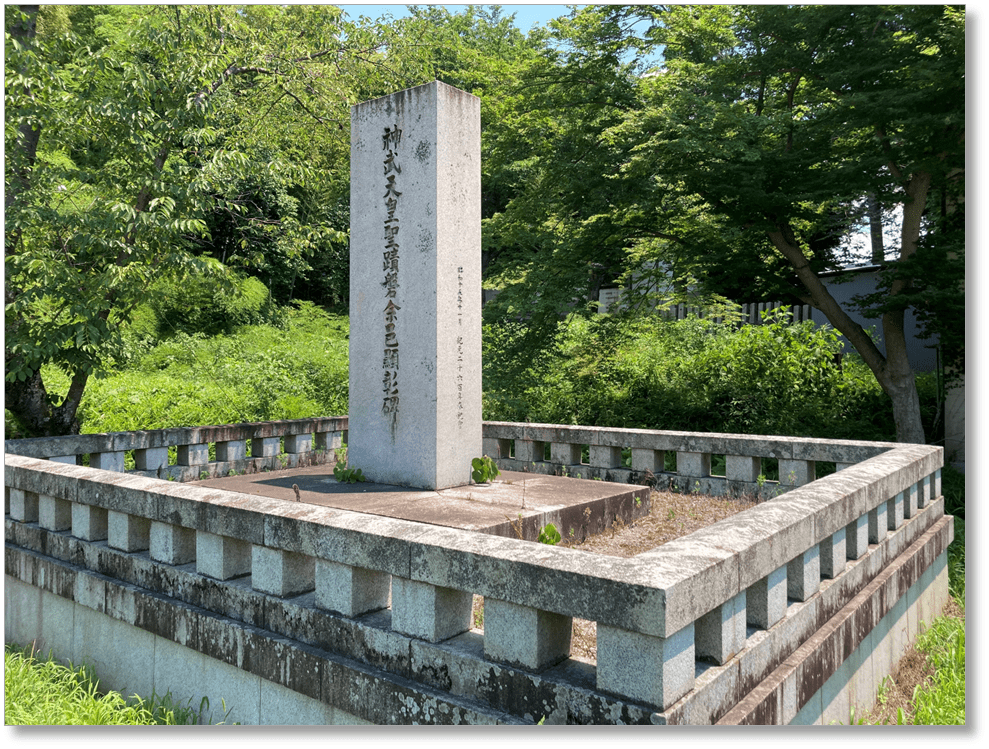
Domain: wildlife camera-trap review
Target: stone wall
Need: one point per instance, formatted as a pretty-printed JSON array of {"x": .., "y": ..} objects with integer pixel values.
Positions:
[{"x": 345, "y": 617}]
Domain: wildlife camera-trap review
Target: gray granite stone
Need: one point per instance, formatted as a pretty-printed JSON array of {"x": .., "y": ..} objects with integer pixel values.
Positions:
[{"x": 415, "y": 286}]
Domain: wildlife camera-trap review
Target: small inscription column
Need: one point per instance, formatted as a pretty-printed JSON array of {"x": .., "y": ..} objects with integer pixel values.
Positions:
[{"x": 415, "y": 287}]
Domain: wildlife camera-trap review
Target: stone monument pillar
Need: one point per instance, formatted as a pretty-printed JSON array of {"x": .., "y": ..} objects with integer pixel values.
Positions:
[{"x": 415, "y": 287}]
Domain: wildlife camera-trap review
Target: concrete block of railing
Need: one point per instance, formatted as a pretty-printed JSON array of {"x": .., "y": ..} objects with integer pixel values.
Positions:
[
  {"x": 529, "y": 451},
  {"x": 565, "y": 453},
  {"x": 222, "y": 557},
  {"x": 231, "y": 450},
  {"x": 109, "y": 461},
  {"x": 742, "y": 468},
  {"x": 496, "y": 449},
  {"x": 655, "y": 670},
  {"x": 796, "y": 472},
  {"x": 88, "y": 522},
  {"x": 803, "y": 574},
  {"x": 265, "y": 447},
  {"x": 648, "y": 460},
  {"x": 54, "y": 514},
  {"x": 281, "y": 573},
  {"x": 765, "y": 599},
  {"x": 151, "y": 458},
  {"x": 70, "y": 459},
  {"x": 911, "y": 501},
  {"x": 927, "y": 490},
  {"x": 525, "y": 637},
  {"x": 192, "y": 455},
  {"x": 720, "y": 633},
  {"x": 605, "y": 456},
  {"x": 694, "y": 464},
  {"x": 328, "y": 440},
  {"x": 298, "y": 443},
  {"x": 429, "y": 612},
  {"x": 833, "y": 555},
  {"x": 23, "y": 505},
  {"x": 349, "y": 590},
  {"x": 128, "y": 532},
  {"x": 172, "y": 544},
  {"x": 878, "y": 524},
  {"x": 894, "y": 512},
  {"x": 857, "y": 537}
]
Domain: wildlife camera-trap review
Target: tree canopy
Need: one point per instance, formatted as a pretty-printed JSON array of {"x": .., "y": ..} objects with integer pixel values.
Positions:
[
  {"x": 737, "y": 166},
  {"x": 139, "y": 137},
  {"x": 702, "y": 152}
]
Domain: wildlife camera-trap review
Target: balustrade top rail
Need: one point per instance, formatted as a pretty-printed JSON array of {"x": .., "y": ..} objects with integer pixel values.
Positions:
[
  {"x": 83, "y": 444},
  {"x": 796, "y": 448}
]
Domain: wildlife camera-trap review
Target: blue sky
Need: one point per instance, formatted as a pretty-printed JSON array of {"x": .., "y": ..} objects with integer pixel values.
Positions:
[{"x": 526, "y": 14}]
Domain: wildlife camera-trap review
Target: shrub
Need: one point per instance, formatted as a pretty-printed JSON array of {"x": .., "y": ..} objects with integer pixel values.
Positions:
[
  {"x": 203, "y": 305},
  {"x": 646, "y": 372},
  {"x": 257, "y": 373}
]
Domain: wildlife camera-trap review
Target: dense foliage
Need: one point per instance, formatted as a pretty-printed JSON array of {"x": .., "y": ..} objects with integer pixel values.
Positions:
[
  {"x": 739, "y": 167},
  {"x": 646, "y": 372},
  {"x": 180, "y": 142},
  {"x": 184, "y": 170},
  {"x": 257, "y": 373}
]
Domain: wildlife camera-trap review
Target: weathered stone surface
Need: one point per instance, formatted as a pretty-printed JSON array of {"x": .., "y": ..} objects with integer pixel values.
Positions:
[
  {"x": 720, "y": 633},
  {"x": 429, "y": 612},
  {"x": 231, "y": 450},
  {"x": 657, "y": 670},
  {"x": 523, "y": 636},
  {"x": 765, "y": 599},
  {"x": 281, "y": 573},
  {"x": 351, "y": 591},
  {"x": 222, "y": 557},
  {"x": 109, "y": 461},
  {"x": 128, "y": 532},
  {"x": 88, "y": 522},
  {"x": 54, "y": 514},
  {"x": 415, "y": 339}
]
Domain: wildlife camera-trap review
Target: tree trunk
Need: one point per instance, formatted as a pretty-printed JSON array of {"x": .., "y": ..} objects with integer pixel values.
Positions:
[
  {"x": 892, "y": 372},
  {"x": 876, "y": 229},
  {"x": 34, "y": 412}
]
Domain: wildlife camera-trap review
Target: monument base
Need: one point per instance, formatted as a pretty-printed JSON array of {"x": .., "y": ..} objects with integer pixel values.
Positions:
[{"x": 513, "y": 505}]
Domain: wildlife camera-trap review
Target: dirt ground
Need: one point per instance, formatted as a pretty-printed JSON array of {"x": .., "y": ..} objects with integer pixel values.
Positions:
[
  {"x": 674, "y": 515},
  {"x": 670, "y": 516}
]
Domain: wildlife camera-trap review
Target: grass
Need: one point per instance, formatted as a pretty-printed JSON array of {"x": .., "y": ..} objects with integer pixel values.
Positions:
[
  {"x": 42, "y": 692},
  {"x": 943, "y": 702}
]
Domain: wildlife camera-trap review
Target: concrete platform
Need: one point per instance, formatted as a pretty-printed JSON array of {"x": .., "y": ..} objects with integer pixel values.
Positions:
[{"x": 513, "y": 505}]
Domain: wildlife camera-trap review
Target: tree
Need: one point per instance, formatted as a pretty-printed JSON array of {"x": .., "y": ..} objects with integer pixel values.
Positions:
[
  {"x": 119, "y": 146},
  {"x": 575, "y": 221},
  {"x": 741, "y": 164},
  {"x": 783, "y": 116}
]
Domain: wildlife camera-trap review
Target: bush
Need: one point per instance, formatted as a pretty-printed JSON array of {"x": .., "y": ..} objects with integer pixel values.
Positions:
[
  {"x": 203, "y": 305},
  {"x": 257, "y": 373},
  {"x": 646, "y": 372}
]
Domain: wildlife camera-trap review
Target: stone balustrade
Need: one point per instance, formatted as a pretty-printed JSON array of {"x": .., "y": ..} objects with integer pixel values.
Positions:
[
  {"x": 697, "y": 599},
  {"x": 681, "y": 461},
  {"x": 184, "y": 453}
]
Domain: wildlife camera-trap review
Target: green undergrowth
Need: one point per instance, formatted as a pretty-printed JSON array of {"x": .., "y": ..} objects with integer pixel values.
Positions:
[
  {"x": 943, "y": 702},
  {"x": 42, "y": 692},
  {"x": 646, "y": 372},
  {"x": 293, "y": 370}
]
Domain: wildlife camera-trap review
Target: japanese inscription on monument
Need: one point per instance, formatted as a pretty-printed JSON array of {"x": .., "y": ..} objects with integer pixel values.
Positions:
[{"x": 390, "y": 362}]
